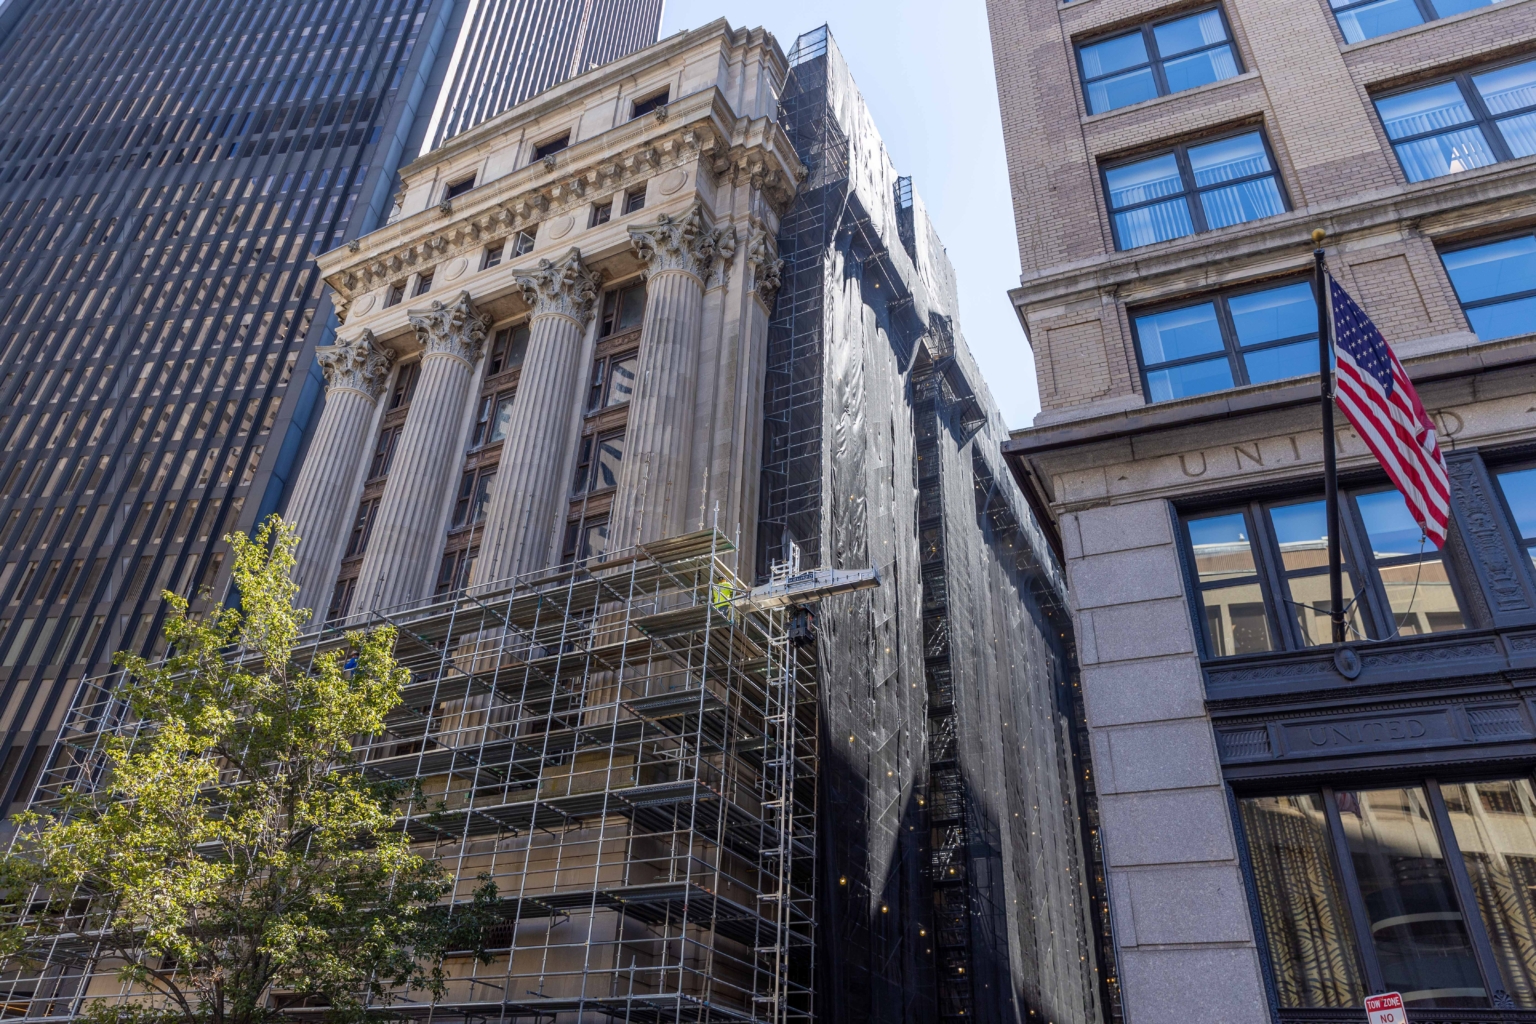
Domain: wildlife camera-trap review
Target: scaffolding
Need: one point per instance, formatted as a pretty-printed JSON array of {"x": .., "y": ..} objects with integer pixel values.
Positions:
[{"x": 628, "y": 748}]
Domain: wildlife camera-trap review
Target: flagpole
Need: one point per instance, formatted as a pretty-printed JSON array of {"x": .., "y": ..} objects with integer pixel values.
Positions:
[{"x": 1330, "y": 461}]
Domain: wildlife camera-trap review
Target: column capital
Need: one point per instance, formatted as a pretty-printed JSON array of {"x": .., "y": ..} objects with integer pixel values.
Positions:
[
  {"x": 564, "y": 287},
  {"x": 360, "y": 364},
  {"x": 685, "y": 243},
  {"x": 767, "y": 268},
  {"x": 457, "y": 330}
]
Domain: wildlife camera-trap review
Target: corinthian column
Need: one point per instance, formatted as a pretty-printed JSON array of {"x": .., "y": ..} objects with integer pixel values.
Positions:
[
  {"x": 407, "y": 529},
  {"x": 321, "y": 505},
  {"x": 530, "y": 488},
  {"x": 653, "y": 498}
]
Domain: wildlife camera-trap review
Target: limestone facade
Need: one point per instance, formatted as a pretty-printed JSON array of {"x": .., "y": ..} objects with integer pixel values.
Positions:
[
  {"x": 562, "y": 336},
  {"x": 1188, "y": 733}
]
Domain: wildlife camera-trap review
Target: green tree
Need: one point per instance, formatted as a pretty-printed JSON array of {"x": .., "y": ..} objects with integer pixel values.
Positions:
[{"x": 232, "y": 847}]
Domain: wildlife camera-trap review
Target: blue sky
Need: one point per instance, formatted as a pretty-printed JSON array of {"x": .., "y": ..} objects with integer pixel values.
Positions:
[{"x": 926, "y": 71}]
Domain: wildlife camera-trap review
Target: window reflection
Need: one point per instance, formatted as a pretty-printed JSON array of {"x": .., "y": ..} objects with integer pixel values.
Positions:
[
  {"x": 1412, "y": 571},
  {"x": 1301, "y": 532},
  {"x": 1236, "y": 619},
  {"x": 1495, "y": 826},
  {"x": 1519, "y": 488}
]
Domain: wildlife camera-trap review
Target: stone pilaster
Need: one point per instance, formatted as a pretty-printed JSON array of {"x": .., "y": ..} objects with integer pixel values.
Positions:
[
  {"x": 407, "y": 531},
  {"x": 530, "y": 489},
  {"x": 323, "y": 494},
  {"x": 653, "y": 496}
]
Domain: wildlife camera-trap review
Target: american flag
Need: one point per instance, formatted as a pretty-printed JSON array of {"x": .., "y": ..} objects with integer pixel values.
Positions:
[{"x": 1379, "y": 400}]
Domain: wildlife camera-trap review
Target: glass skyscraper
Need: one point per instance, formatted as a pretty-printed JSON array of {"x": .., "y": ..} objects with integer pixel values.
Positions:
[{"x": 167, "y": 170}]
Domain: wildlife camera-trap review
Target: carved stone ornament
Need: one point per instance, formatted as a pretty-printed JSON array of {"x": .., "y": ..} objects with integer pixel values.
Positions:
[
  {"x": 359, "y": 364},
  {"x": 684, "y": 243},
  {"x": 767, "y": 268},
  {"x": 726, "y": 241},
  {"x": 564, "y": 287},
  {"x": 457, "y": 329}
]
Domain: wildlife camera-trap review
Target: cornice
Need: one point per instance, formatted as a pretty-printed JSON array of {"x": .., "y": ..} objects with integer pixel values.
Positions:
[{"x": 702, "y": 127}]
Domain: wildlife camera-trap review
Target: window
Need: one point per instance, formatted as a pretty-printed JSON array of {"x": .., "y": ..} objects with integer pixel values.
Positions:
[
  {"x": 384, "y": 452},
  {"x": 395, "y": 294},
  {"x": 362, "y": 528},
  {"x": 405, "y": 384},
  {"x": 1371, "y": 18},
  {"x": 474, "y": 494},
  {"x": 602, "y": 213},
  {"x": 455, "y": 571},
  {"x": 597, "y": 466},
  {"x": 1155, "y": 60},
  {"x": 458, "y": 188},
  {"x": 1519, "y": 487},
  {"x": 424, "y": 282},
  {"x": 1232, "y": 179},
  {"x": 341, "y": 598},
  {"x": 1261, "y": 574},
  {"x": 623, "y": 308},
  {"x": 613, "y": 381},
  {"x": 634, "y": 200},
  {"x": 550, "y": 147},
  {"x": 522, "y": 244},
  {"x": 1422, "y": 888},
  {"x": 508, "y": 348},
  {"x": 492, "y": 257},
  {"x": 1470, "y": 120},
  {"x": 495, "y": 414},
  {"x": 651, "y": 103},
  {"x": 585, "y": 538},
  {"x": 1496, "y": 284},
  {"x": 1238, "y": 337}
]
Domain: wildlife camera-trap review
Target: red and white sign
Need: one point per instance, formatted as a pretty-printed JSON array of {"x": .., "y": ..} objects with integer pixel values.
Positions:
[{"x": 1386, "y": 1008}]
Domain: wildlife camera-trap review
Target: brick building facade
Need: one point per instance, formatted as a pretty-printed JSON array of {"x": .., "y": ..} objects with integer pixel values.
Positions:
[{"x": 1289, "y": 825}]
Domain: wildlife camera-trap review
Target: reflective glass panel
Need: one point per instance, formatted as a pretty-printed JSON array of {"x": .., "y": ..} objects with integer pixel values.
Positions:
[
  {"x": 594, "y": 539},
  {"x": 1509, "y": 88},
  {"x": 1519, "y": 488},
  {"x": 1519, "y": 134},
  {"x": 1421, "y": 938},
  {"x": 1189, "y": 379},
  {"x": 1235, "y": 620},
  {"x": 1390, "y": 525},
  {"x": 1421, "y": 597},
  {"x": 1222, "y": 548},
  {"x": 1156, "y": 223},
  {"x": 1302, "y": 533},
  {"x": 1439, "y": 155},
  {"x": 501, "y": 417},
  {"x": 1504, "y": 319},
  {"x": 1446, "y": 8},
  {"x": 1488, "y": 271},
  {"x": 1121, "y": 90},
  {"x": 1191, "y": 33},
  {"x": 610, "y": 452},
  {"x": 1423, "y": 110},
  {"x": 1312, "y": 608},
  {"x": 1377, "y": 19},
  {"x": 1273, "y": 314},
  {"x": 1228, "y": 159},
  {"x": 1495, "y": 826},
  {"x": 1281, "y": 362},
  {"x": 1178, "y": 333},
  {"x": 1199, "y": 68},
  {"x": 1247, "y": 201},
  {"x": 1311, "y": 945},
  {"x": 621, "y": 380},
  {"x": 1145, "y": 180},
  {"x": 1115, "y": 54}
]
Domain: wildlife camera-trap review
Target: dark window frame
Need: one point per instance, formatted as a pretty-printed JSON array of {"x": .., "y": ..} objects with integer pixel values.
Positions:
[
  {"x": 522, "y": 244},
  {"x": 472, "y": 498},
  {"x": 1362, "y": 572},
  {"x": 587, "y": 463},
  {"x": 1155, "y": 60},
  {"x": 1478, "y": 243},
  {"x": 1357, "y": 925},
  {"x": 634, "y": 200},
  {"x": 489, "y": 403},
  {"x": 395, "y": 295},
  {"x": 654, "y": 101},
  {"x": 384, "y": 451},
  {"x": 453, "y": 572},
  {"x": 424, "y": 282},
  {"x": 454, "y": 189},
  {"x": 1233, "y": 350},
  {"x": 502, "y": 347},
  {"x": 574, "y": 547},
  {"x": 362, "y": 528},
  {"x": 1482, "y": 119},
  {"x": 1521, "y": 543},
  {"x": 600, "y": 385},
  {"x": 551, "y": 145},
  {"x": 494, "y": 254},
  {"x": 1191, "y": 191},
  {"x": 602, "y": 212},
  {"x": 404, "y": 387},
  {"x": 609, "y": 319}
]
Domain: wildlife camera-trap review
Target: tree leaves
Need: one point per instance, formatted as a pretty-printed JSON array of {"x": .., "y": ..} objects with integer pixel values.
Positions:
[{"x": 235, "y": 858}]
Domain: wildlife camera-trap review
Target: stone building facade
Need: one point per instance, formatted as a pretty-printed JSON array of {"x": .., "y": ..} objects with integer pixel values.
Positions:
[
  {"x": 1289, "y": 825},
  {"x": 688, "y": 290}
]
